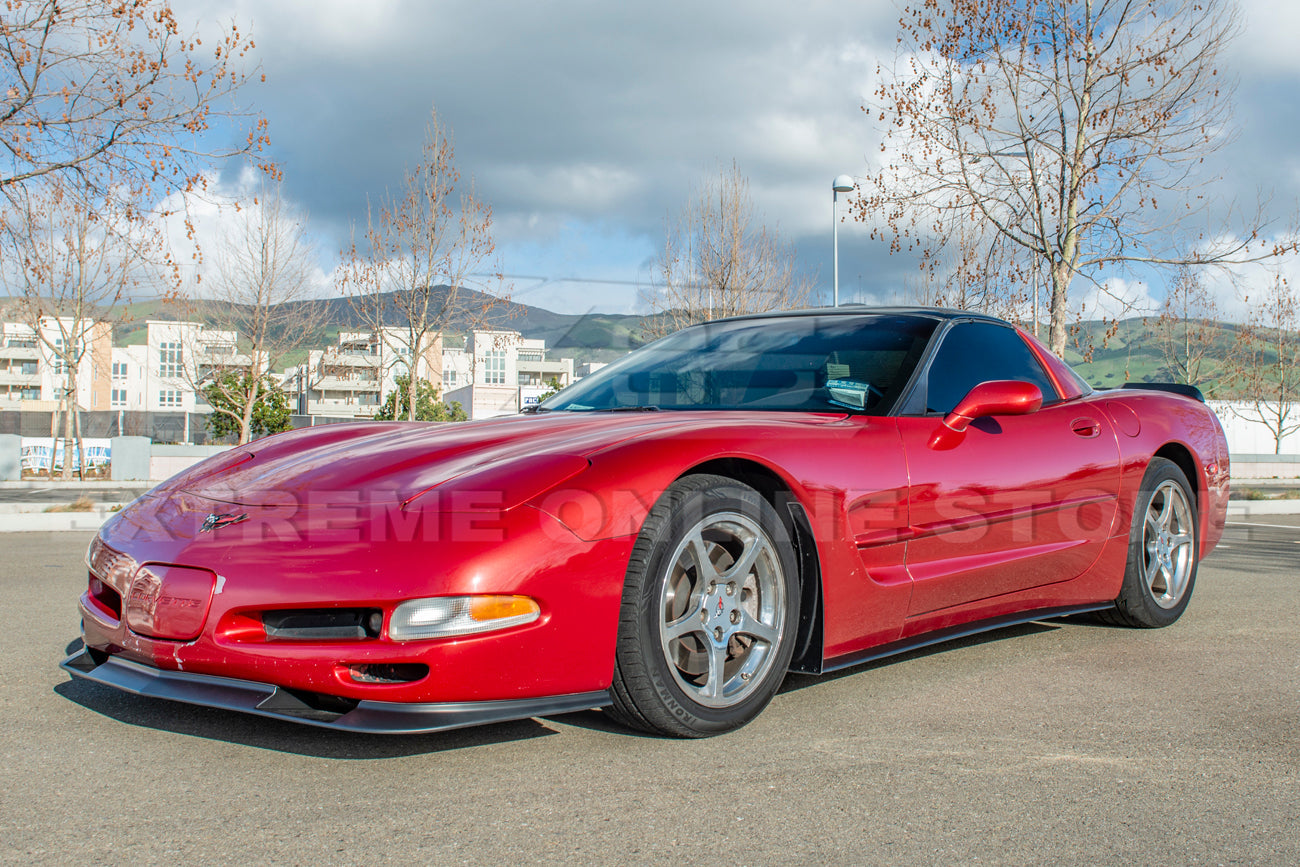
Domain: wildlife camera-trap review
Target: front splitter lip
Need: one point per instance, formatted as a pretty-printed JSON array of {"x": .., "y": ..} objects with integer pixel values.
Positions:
[{"x": 369, "y": 717}]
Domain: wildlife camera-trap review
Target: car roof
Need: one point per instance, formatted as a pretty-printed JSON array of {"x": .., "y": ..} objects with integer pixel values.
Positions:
[{"x": 868, "y": 310}]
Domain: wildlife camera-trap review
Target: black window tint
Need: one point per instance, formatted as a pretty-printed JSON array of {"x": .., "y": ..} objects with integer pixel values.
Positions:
[
  {"x": 975, "y": 352},
  {"x": 826, "y": 363}
]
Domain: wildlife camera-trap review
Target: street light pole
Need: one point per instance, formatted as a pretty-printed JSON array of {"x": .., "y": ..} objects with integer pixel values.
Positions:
[{"x": 842, "y": 184}]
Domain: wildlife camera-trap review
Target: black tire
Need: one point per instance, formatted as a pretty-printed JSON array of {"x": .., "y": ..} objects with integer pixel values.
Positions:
[
  {"x": 682, "y": 620},
  {"x": 1163, "y": 548}
]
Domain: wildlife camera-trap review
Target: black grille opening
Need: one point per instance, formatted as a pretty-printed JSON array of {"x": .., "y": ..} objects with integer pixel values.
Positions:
[
  {"x": 323, "y": 624},
  {"x": 308, "y": 705},
  {"x": 388, "y": 672}
]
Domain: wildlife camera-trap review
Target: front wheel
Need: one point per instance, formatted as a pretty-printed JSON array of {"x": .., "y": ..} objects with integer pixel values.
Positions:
[
  {"x": 1162, "y": 554},
  {"x": 710, "y": 605}
]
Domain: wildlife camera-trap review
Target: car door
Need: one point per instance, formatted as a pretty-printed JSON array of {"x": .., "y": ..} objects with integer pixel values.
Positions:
[{"x": 1013, "y": 502}]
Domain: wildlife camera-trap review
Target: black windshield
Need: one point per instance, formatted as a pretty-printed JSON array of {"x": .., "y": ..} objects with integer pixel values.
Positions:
[{"x": 825, "y": 363}]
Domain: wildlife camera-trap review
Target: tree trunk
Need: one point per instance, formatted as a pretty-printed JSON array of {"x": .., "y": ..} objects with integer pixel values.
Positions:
[
  {"x": 410, "y": 380},
  {"x": 246, "y": 421},
  {"x": 68, "y": 440},
  {"x": 80, "y": 443},
  {"x": 1058, "y": 313}
]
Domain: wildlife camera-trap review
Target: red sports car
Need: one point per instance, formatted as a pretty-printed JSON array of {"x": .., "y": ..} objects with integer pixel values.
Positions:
[{"x": 666, "y": 538}]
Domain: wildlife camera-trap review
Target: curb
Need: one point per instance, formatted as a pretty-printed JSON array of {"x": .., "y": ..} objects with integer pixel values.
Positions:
[
  {"x": 46, "y": 522},
  {"x": 90, "y": 484},
  {"x": 1247, "y": 508}
]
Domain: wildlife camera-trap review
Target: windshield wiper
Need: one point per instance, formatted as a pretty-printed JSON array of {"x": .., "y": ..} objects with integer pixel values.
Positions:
[
  {"x": 628, "y": 409},
  {"x": 534, "y": 409}
]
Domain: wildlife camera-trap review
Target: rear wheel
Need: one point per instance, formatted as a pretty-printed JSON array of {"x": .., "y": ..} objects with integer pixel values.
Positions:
[
  {"x": 709, "y": 610},
  {"x": 1162, "y": 554}
]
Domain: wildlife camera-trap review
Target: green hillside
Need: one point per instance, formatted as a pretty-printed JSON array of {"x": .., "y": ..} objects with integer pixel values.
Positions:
[{"x": 1133, "y": 354}]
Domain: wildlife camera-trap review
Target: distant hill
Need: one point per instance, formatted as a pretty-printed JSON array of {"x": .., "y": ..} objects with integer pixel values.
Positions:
[
  {"x": 585, "y": 337},
  {"x": 1131, "y": 354}
]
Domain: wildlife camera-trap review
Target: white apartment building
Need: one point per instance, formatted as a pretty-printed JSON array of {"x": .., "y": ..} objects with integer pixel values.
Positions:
[
  {"x": 20, "y": 364},
  {"x": 33, "y": 367},
  {"x": 354, "y": 377},
  {"x": 493, "y": 373},
  {"x": 163, "y": 373},
  {"x": 500, "y": 372}
]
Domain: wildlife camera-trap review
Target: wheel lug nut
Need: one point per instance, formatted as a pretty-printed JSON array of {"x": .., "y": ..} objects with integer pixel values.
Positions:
[
  {"x": 735, "y": 616},
  {"x": 731, "y": 588},
  {"x": 717, "y": 632}
]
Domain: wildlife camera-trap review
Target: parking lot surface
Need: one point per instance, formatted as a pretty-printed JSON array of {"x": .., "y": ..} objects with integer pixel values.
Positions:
[{"x": 1057, "y": 743}]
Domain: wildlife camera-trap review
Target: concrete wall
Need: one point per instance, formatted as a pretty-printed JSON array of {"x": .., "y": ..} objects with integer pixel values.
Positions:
[
  {"x": 1247, "y": 435},
  {"x": 167, "y": 461},
  {"x": 1265, "y": 467}
]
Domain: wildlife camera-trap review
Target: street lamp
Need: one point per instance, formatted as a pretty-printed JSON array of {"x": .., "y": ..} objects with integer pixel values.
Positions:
[{"x": 842, "y": 184}]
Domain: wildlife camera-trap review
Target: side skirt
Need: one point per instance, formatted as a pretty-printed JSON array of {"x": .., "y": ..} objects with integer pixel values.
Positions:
[{"x": 939, "y": 636}]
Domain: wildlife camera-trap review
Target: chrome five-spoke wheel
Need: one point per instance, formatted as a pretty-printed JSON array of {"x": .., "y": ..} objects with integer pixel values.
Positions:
[
  {"x": 723, "y": 609},
  {"x": 1167, "y": 538}
]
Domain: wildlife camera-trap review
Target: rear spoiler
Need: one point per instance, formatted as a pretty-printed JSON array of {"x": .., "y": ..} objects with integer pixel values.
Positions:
[{"x": 1172, "y": 387}]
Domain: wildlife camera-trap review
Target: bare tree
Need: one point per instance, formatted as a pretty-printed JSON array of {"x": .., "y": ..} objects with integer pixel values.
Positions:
[
  {"x": 363, "y": 288},
  {"x": 1075, "y": 130},
  {"x": 1189, "y": 330},
  {"x": 70, "y": 259},
  {"x": 426, "y": 244},
  {"x": 718, "y": 260},
  {"x": 1266, "y": 364},
  {"x": 262, "y": 272},
  {"x": 983, "y": 272},
  {"x": 108, "y": 93}
]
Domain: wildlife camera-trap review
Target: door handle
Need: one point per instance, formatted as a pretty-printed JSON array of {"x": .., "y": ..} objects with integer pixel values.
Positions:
[{"x": 1085, "y": 427}]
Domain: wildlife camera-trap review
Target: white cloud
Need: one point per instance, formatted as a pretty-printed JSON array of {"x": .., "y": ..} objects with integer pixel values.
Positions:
[
  {"x": 1113, "y": 298},
  {"x": 196, "y": 225}
]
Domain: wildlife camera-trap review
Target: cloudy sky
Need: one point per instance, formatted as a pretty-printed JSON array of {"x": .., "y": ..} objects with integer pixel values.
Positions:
[{"x": 586, "y": 123}]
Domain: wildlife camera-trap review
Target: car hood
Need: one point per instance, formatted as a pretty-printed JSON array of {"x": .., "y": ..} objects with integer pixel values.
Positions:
[{"x": 507, "y": 460}]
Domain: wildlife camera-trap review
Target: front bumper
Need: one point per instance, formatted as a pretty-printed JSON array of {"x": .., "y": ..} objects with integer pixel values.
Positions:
[{"x": 373, "y": 717}]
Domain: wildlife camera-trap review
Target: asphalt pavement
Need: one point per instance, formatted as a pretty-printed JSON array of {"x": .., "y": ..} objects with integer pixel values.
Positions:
[{"x": 1058, "y": 743}]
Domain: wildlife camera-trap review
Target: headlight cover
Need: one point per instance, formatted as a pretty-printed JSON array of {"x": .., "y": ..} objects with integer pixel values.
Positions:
[{"x": 447, "y": 616}]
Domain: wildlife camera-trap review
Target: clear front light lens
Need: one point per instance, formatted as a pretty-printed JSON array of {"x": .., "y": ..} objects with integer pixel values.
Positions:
[{"x": 446, "y": 616}]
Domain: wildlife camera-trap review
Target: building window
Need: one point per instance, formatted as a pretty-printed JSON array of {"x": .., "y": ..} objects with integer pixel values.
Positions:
[
  {"x": 119, "y": 370},
  {"x": 449, "y": 379},
  {"x": 169, "y": 359},
  {"x": 118, "y": 397},
  {"x": 494, "y": 368},
  {"x": 60, "y": 365},
  {"x": 31, "y": 394},
  {"x": 169, "y": 397},
  {"x": 29, "y": 368}
]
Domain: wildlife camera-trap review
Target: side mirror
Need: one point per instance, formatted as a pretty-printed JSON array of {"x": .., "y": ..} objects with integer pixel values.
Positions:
[{"x": 997, "y": 397}]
